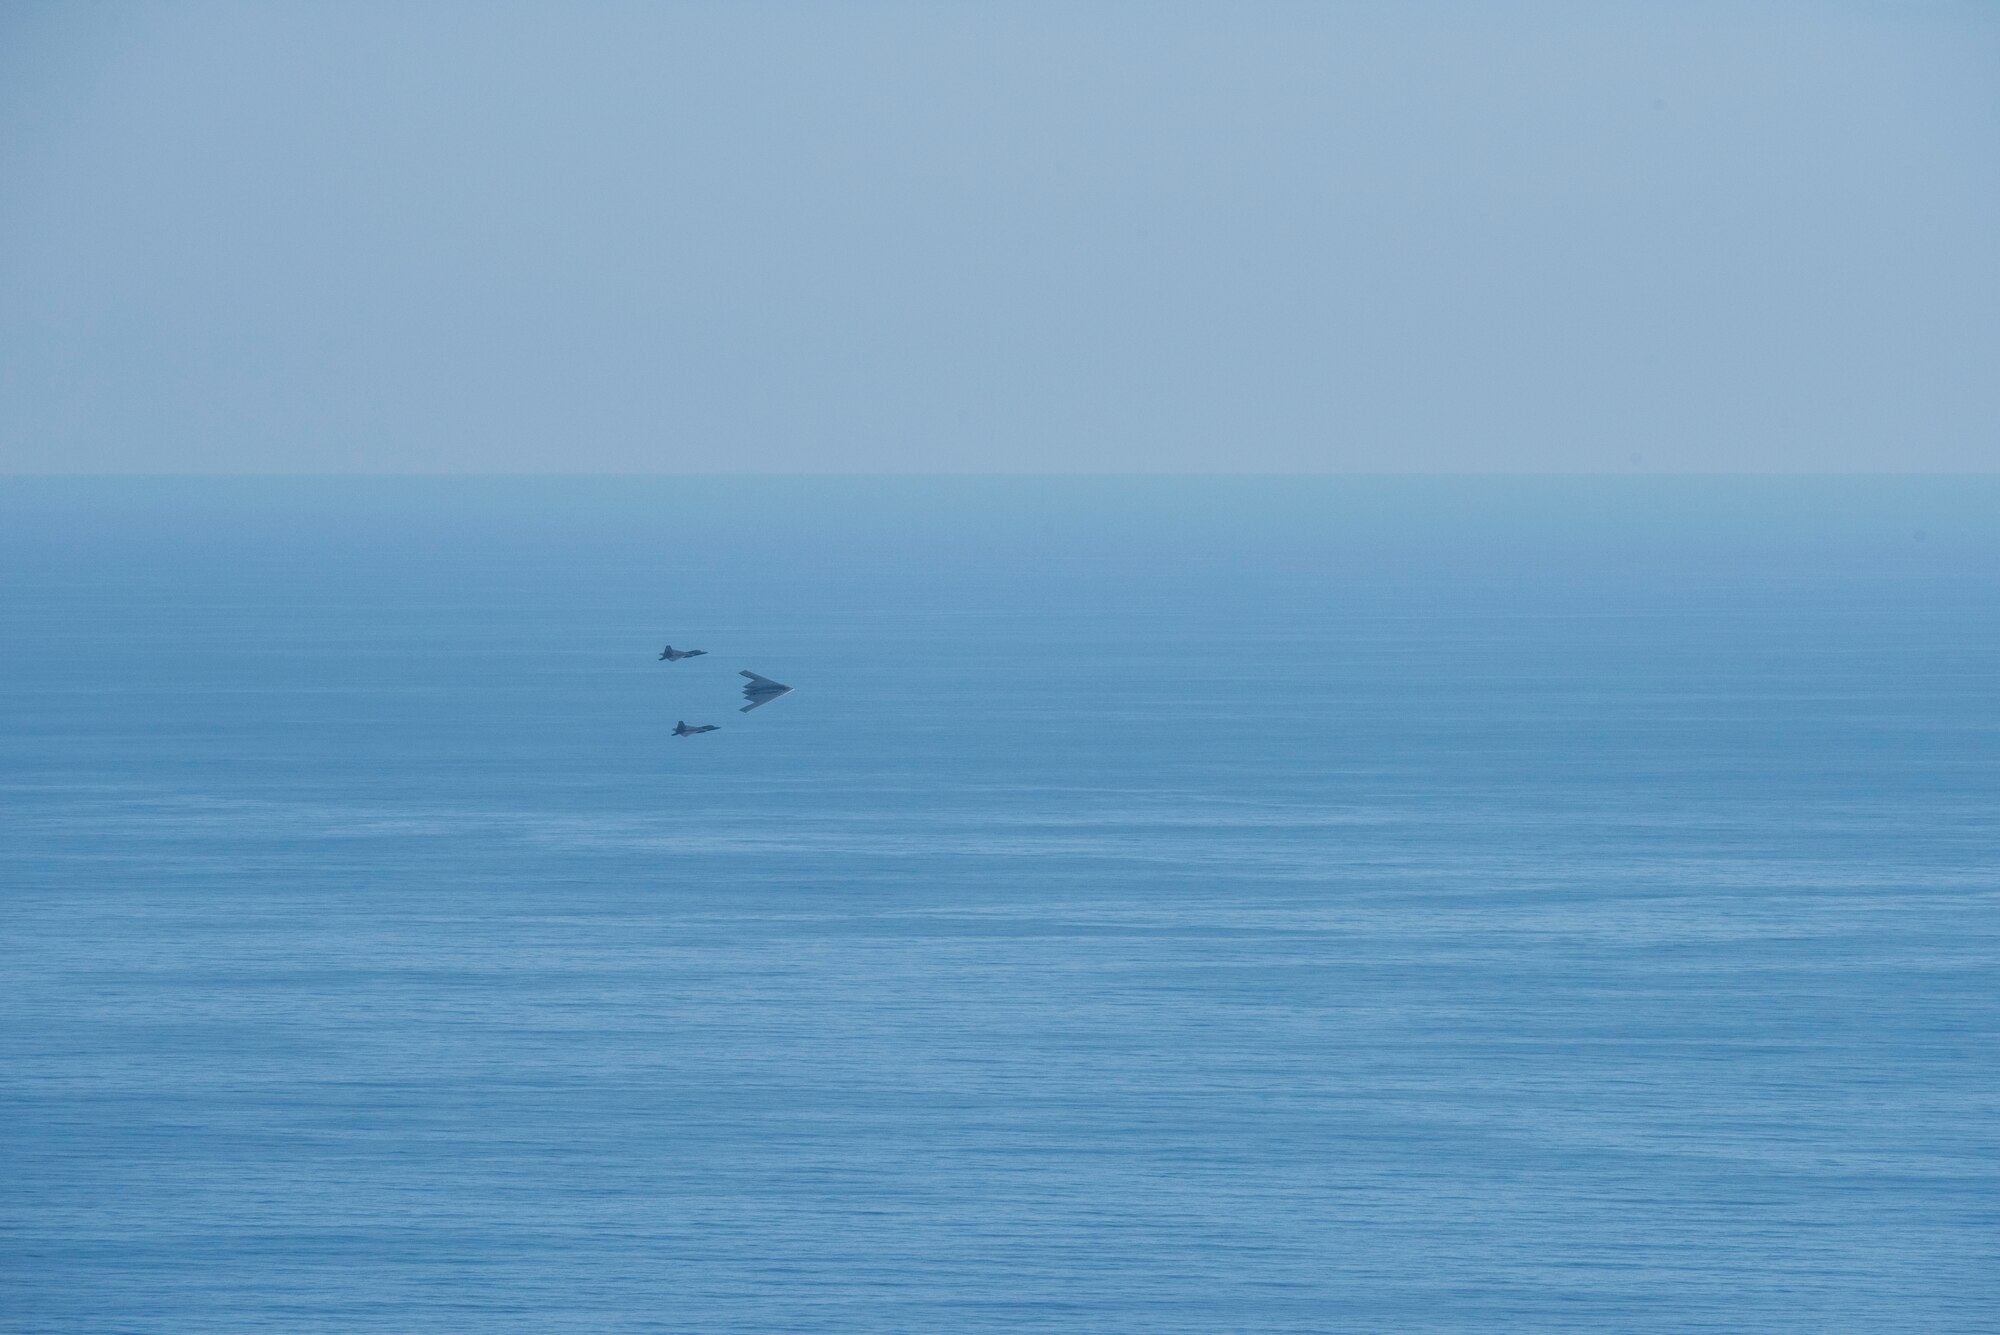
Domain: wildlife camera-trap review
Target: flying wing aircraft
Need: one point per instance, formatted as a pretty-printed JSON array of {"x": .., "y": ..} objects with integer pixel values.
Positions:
[{"x": 761, "y": 691}]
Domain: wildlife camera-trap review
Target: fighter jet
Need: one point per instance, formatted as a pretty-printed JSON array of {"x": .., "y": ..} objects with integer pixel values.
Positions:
[
  {"x": 673, "y": 655},
  {"x": 761, "y": 691},
  {"x": 683, "y": 730}
]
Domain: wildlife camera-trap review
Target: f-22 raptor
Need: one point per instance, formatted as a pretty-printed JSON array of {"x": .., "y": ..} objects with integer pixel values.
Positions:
[
  {"x": 673, "y": 655},
  {"x": 681, "y": 729}
]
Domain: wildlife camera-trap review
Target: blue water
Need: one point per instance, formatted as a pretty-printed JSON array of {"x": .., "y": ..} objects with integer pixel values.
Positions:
[{"x": 1182, "y": 905}]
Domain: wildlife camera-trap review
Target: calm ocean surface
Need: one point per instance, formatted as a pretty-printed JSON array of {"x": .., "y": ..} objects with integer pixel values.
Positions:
[{"x": 1193, "y": 905}]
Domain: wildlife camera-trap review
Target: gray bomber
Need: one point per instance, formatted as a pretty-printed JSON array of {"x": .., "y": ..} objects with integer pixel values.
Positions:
[{"x": 761, "y": 691}]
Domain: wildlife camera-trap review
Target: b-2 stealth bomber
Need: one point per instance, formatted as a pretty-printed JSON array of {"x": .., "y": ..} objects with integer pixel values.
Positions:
[{"x": 761, "y": 691}]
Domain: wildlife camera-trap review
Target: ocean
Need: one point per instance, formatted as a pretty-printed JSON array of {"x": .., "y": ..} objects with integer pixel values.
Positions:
[{"x": 1163, "y": 905}]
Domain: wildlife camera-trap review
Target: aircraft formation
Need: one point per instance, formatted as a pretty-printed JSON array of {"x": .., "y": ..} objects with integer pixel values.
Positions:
[{"x": 759, "y": 690}]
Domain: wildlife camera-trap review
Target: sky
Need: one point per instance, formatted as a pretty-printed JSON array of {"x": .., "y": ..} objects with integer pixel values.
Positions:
[{"x": 1088, "y": 236}]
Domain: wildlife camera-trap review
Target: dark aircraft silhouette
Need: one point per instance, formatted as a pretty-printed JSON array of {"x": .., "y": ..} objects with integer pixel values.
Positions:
[
  {"x": 681, "y": 729},
  {"x": 673, "y": 655},
  {"x": 761, "y": 691}
]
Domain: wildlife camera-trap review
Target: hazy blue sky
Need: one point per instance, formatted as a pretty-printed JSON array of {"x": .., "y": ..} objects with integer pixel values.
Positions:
[{"x": 1237, "y": 236}]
